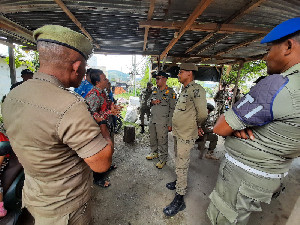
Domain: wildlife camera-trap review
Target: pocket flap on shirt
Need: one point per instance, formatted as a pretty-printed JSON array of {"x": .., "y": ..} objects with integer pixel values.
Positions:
[{"x": 226, "y": 210}]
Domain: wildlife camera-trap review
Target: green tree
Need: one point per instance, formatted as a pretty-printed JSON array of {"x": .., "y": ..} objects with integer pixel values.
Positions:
[
  {"x": 30, "y": 59},
  {"x": 250, "y": 72}
]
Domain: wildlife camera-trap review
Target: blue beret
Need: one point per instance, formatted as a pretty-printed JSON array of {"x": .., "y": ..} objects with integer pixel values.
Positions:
[{"x": 285, "y": 28}]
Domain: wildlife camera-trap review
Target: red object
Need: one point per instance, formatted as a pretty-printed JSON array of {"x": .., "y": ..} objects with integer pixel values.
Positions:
[{"x": 3, "y": 137}]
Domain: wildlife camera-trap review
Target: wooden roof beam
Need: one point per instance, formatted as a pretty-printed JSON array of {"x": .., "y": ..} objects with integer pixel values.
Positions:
[
  {"x": 75, "y": 20},
  {"x": 206, "y": 27},
  {"x": 240, "y": 45},
  {"x": 150, "y": 13},
  {"x": 187, "y": 24},
  {"x": 213, "y": 43},
  {"x": 246, "y": 9},
  {"x": 15, "y": 28},
  {"x": 200, "y": 42}
]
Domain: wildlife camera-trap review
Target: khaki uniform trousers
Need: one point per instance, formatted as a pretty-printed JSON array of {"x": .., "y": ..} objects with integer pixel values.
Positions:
[
  {"x": 143, "y": 111},
  {"x": 81, "y": 216},
  {"x": 159, "y": 140},
  {"x": 211, "y": 137},
  {"x": 238, "y": 193},
  {"x": 182, "y": 152}
]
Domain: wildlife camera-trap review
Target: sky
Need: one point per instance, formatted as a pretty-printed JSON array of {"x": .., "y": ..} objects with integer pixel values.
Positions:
[{"x": 122, "y": 63}]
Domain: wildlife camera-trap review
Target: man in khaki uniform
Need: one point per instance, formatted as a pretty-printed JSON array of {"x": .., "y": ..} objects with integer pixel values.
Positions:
[
  {"x": 162, "y": 102},
  {"x": 145, "y": 108},
  {"x": 53, "y": 134},
  {"x": 189, "y": 114},
  {"x": 255, "y": 165}
]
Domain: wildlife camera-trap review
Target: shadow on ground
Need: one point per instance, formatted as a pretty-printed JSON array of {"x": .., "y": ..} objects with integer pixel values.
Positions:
[{"x": 137, "y": 194}]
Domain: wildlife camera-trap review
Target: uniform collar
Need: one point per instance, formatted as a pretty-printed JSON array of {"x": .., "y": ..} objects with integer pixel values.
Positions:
[
  {"x": 189, "y": 84},
  {"x": 49, "y": 78},
  {"x": 294, "y": 69}
]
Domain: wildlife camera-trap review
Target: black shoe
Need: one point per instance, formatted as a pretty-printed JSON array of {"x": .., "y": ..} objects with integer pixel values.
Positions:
[
  {"x": 176, "y": 206},
  {"x": 171, "y": 185}
]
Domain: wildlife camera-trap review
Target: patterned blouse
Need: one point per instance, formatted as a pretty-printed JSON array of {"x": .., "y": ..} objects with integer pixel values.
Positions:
[{"x": 98, "y": 103}]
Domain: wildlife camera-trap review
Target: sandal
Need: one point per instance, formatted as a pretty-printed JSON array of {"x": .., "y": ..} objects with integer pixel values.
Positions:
[
  {"x": 102, "y": 183},
  {"x": 112, "y": 167}
]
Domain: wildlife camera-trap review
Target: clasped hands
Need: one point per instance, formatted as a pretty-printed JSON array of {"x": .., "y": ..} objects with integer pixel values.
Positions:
[
  {"x": 244, "y": 134},
  {"x": 155, "y": 102},
  {"x": 115, "y": 109}
]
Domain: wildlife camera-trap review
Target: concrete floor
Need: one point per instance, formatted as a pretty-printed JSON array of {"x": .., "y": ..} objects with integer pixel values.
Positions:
[{"x": 138, "y": 194}]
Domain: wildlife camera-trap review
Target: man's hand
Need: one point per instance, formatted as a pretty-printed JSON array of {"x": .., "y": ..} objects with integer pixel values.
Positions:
[
  {"x": 244, "y": 134},
  {"x": 200, "y": 132},
  {"x": 155, "y": 102},
  {"x": 169, "y": 128},
  {"x": 98, "y": 118},
  {"x": 115, "y": 109}
]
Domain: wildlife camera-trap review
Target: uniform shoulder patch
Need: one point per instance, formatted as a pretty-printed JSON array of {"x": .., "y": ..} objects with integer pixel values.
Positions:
[
  {"x": 255, "y": 108},
  {"x": 196, "y": 93}
]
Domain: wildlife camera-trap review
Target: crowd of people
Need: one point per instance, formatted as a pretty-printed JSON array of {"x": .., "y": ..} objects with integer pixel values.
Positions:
[{"x": 61, "y": 137}]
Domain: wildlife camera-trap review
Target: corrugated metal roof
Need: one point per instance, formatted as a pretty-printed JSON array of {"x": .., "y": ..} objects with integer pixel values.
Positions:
[{"x": 118, "y": 26}]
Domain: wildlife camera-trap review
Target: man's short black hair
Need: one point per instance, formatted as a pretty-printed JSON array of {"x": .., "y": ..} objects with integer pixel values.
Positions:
[
  {"x": 95, "y": 75},
  {"x": 210, "y": 107},
  {"x": 26, "y": 71}
]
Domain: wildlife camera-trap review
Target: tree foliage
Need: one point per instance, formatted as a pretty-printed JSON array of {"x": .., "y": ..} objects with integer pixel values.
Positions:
[
  {"x": 30, "y": 59},
  {"x": 250, "y": 72}
]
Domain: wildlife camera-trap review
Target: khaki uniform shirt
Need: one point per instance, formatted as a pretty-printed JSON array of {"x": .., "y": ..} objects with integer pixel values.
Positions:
[
  {"x": 162, "y": 113},
  {"x": 190, "y": 112},
  {"x": 51, "y": 132},
  {"x": 276, "y": 143}
]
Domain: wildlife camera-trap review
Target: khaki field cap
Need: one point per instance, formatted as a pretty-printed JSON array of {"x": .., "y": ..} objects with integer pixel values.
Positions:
[
  {"x": 65, "y": 37},
  {"x": 188, "y": 67}
]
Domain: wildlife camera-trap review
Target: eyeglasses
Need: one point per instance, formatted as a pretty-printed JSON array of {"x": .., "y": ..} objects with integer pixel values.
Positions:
[{"x": 158, "y": 78}]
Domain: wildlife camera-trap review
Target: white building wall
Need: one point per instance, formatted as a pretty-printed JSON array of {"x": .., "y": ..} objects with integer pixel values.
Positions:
[{"x": 5, "y": 82}]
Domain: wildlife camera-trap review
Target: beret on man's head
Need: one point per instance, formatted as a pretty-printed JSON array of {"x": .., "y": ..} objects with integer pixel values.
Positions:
[
  {"x": 188, "y": 67},
  {"x": 66, "y": 37},
  {"x": 163, "y": 74},
  {"x": 282, "y": 30}
]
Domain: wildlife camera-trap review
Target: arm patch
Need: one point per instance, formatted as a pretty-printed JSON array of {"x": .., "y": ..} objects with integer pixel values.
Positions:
[{"x": 256, "y": 108}]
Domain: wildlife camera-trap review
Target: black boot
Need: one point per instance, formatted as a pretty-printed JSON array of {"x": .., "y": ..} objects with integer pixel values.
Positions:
[
  {"x": 171, "y": 185},
  {"x": 176, "y": 205},
  {"x": 143, "y": 129}
]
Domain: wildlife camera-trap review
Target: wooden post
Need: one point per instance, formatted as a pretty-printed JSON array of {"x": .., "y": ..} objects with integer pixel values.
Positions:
[
  {"x": 241, "y": 64},
  {"x": 12, "y": 64},
  {"x": 129, "y": 134}
]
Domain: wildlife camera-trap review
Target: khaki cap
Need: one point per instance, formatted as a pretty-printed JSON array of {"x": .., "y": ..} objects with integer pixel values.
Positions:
[
  {"x": 65, "y": 37},
  {"x": 188, "y": 67}
]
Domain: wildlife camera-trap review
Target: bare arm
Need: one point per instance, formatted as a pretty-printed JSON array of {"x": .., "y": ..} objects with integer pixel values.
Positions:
[
  {"x": 101, "y": 161},
  {"x": 223, "y": 129}
]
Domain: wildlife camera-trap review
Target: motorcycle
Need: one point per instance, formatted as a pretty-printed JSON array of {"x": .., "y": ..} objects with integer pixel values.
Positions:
[{"x": 12, "y": 181}]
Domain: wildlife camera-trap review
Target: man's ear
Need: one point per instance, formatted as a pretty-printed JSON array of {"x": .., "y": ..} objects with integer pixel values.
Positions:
[
  {"x": 289, "y": 46},
  {"x": 76, "y": 65}
]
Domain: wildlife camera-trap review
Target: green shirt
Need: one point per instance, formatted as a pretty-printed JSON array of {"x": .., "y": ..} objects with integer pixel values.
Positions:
[{"x": 278, "y": 142}]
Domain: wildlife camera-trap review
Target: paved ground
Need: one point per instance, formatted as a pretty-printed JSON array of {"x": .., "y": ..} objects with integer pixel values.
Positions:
[{"x": 138, "y": 193}]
